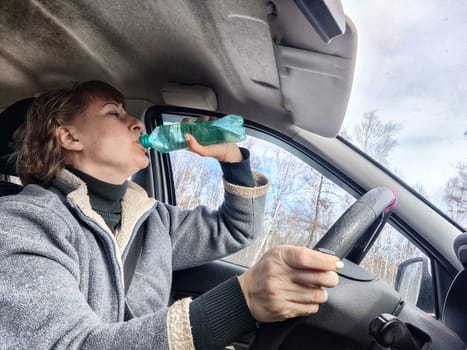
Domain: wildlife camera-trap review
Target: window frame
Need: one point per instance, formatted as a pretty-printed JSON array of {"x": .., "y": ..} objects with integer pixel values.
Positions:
[{"x": 163, "y": 184}]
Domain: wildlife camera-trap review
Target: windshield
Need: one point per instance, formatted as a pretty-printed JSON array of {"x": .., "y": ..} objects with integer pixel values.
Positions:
[{"x": 408, "y": 107}]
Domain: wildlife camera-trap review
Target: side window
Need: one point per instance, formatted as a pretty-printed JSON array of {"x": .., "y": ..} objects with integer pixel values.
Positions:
[
  {"x": 301, "y": 205},
  {"x": 397, "y": 261}
]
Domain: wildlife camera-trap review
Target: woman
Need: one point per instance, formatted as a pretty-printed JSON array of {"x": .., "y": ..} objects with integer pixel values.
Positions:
[{"x": 65, "y": 237}]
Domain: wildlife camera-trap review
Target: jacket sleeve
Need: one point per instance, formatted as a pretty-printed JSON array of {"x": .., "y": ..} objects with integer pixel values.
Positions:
[{"x": 202, "y": 235}]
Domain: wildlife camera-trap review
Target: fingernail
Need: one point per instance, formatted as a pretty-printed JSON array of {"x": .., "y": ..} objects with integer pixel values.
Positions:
[
  {"x": 187, "y": 137},
  {"x": 326, "y": 295},
  {"x": 339, "y": 264}
]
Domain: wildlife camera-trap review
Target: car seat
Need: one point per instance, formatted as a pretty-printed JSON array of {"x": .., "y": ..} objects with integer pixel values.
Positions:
[
  {"x": 10, "y": 119},
  {"x": 455, "y": 306}
]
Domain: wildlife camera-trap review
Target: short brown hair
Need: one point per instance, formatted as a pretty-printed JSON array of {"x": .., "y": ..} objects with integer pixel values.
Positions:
[{"x": 39, "y": 156}]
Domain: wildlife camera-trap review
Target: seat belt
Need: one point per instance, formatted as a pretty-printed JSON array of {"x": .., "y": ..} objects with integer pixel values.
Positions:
[{"x": 129, "y": 266}]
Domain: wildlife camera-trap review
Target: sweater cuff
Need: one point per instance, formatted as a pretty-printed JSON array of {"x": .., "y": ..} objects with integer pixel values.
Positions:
[
  {"x": 220, "y": 316},
  {"x": 239, "y": 173}
]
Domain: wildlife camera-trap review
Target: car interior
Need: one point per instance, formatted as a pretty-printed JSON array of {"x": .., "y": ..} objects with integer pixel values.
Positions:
[{"x": 287, "y": 67}]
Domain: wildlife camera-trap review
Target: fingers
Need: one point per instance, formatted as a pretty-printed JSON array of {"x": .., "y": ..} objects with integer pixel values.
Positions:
[
  {"x": 272, "y": 298},
  {"x": 305, "y": 258},
  {"x": 224, "y": 152},
  {"x": 205, "y": 117},
  {"x": 328, "y": 279},
  {"x": 303, "y": 303},
  {"x": 193, "y": 145},
  {"x": 306, "y": 295},
  {"x": 215, "y": 150},
  {"x": 202, "y": 118}
]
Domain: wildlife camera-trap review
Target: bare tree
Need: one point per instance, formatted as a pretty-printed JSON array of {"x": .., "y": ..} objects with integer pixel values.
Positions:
[
  {"x": 330, "y": 201},
  {"x": 286, "y": 185},
  {"x": 455, "y": 195},
  {"x": 376, "y": 138},
  {"x": 198, "y": 182}
]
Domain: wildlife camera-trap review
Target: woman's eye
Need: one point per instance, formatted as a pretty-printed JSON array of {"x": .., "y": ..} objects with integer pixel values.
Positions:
[{"x": 115, "y": 114}]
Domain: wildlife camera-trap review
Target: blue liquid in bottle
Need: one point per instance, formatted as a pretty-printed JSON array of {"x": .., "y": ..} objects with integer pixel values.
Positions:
[{"x": 167, "y": 138}]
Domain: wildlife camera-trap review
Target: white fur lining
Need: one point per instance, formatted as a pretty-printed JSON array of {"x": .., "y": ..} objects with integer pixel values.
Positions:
[
  {"x": 134, "y": 203},
  {"x": 178, "y": 326}
]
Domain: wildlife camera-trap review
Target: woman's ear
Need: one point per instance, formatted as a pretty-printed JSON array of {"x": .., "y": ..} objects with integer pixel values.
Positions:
[{"x": 68, "y": 139}]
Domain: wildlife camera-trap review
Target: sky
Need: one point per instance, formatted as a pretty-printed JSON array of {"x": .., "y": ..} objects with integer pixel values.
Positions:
[{"x": 411, "y": 68}]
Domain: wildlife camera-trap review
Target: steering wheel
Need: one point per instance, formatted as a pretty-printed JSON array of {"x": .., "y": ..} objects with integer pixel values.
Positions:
[{"x": 339, "y": 240}]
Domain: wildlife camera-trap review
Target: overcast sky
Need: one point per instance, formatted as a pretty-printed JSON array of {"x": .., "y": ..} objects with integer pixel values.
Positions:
[{"x": 412, "y": 68}]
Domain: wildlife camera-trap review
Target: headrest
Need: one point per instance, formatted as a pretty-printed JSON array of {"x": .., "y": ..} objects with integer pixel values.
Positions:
[
  {"x": 460, "y": 247},
  {"x": 10, "y": 119}
]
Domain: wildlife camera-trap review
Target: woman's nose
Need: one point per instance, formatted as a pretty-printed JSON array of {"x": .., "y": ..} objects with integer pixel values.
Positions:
[{"x": 136, "y": 124}]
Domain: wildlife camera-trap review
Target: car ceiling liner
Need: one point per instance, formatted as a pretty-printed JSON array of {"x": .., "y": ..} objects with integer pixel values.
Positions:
[{"x": 262, "y": 59}]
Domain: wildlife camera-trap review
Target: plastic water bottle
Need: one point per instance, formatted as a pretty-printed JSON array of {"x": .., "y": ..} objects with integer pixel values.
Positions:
[{"x": 167, "y": 138}]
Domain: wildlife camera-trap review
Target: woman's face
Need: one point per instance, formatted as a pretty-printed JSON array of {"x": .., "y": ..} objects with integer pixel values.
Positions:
[{"x": 110, "y": 147}]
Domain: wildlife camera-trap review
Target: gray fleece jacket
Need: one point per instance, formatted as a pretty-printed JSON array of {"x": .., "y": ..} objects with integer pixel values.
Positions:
[{"x": 61, "y": 276}]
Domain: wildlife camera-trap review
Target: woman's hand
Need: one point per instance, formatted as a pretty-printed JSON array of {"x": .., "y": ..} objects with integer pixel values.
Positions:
[
  {"x": 288, "y": 282},
  {"x": 223, "y": 152}
]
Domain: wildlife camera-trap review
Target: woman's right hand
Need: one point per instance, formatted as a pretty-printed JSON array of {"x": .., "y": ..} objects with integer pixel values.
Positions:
[{"x": 288, "y": 282}]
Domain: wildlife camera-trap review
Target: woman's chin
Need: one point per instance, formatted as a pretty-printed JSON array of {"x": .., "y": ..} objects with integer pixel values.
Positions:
[{"x": 143, "y": 163}]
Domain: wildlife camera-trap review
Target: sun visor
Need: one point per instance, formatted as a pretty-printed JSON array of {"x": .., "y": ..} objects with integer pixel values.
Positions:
[{"x": 316, "y": 82}]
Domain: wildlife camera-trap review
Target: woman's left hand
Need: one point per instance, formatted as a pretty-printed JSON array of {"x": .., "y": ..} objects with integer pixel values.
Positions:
[{"x": 223, "y": 152}]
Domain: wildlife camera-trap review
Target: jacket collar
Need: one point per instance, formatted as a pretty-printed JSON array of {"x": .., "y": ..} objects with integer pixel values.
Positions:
[{"x": 135, "y": 203}]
